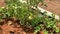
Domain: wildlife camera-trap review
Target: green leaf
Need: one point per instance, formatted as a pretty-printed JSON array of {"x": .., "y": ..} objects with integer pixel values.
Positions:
[
  {"x": 57, "y": 29},
  {"x": 45, "y": 32},
  {"x": 37, "y": 29}
]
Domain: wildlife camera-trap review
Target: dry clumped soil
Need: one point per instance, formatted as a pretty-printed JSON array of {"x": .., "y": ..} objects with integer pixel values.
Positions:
[{"x": 52, "y": 6}]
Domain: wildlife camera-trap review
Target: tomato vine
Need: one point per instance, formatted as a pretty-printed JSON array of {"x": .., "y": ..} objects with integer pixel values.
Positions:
[{"x": 29, "y": 17}]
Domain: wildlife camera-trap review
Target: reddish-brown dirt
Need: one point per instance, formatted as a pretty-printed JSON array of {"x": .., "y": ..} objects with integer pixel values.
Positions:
[
  {"x": 13, "y": 28},
  {"x": 52, "y": 6},
  {"x": 2, "y": 3}
]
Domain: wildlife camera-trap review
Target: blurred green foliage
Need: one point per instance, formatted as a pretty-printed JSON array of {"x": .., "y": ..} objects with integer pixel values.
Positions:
[{"x": 29, "y": 17}]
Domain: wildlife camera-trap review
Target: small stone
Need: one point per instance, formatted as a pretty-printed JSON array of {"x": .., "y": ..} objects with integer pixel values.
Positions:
[
  {"x": 18, "y": 26},
  {"x": 11, "y": 29},
  {"x": 9, "y": 22}
]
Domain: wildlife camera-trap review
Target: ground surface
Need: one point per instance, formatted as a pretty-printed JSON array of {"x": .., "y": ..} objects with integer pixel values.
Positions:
[
  {"x": 52, "y": 6},
  {"x": 13, "y": 29}
]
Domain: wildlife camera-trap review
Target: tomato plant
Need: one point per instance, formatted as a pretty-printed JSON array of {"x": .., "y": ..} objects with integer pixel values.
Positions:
[{"x": 29, "y": 17}]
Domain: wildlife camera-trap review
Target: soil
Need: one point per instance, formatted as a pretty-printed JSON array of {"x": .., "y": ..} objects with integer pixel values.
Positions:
[
  {"x": 52, "y": 6},
  {"x": 9, "y": 28},
  {"x": 2, "y": 3}
]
